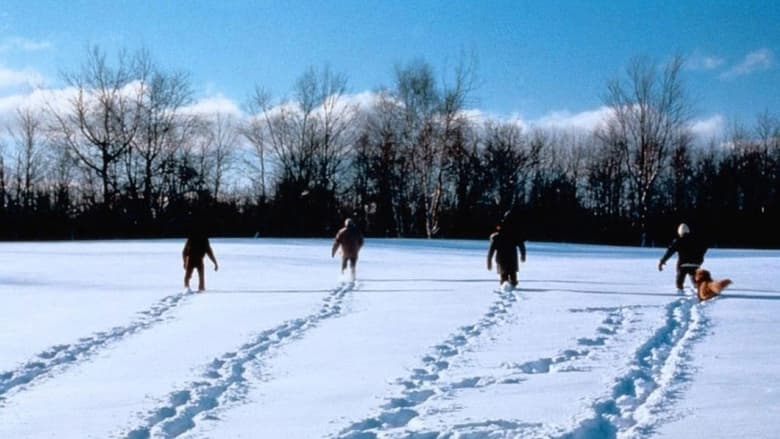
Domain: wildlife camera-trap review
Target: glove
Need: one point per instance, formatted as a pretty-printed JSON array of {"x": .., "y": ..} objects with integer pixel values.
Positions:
[{"x": 660, "y": 266}]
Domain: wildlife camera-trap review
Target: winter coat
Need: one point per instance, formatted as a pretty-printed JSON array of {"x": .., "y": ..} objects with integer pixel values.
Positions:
[
  {"x": 196, "y": 248},
  {"x": 350, "y": 239},
  {"x": 504, "y": 245},
  {"x": 690, "y": 251}
]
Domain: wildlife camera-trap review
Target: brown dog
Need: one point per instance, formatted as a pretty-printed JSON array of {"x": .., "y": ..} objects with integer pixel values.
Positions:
[{"x": 706, "y": 288}]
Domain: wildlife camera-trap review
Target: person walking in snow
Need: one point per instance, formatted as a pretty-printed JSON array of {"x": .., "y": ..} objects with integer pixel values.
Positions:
[
  {"x": 195, "y": 249},
  {"x": 504, "y": 243},
  {"x": 350, "y": 240},
  {"x": 690, "y": 255}
]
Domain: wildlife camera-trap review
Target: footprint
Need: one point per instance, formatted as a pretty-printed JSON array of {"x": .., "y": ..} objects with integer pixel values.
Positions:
[{"x": 599, "y": 341}]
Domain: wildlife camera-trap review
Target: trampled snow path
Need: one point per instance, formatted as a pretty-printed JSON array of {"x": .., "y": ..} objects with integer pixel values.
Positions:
[
  {"x": 426, "y": 384},
  {"x": 656, "y": 370},
  {"x": 657, "y": 367},
  {"x": 612, "y": 325},
  {"x": 57, "y": 358},
  {"x": 422, "y": 383},
  {"x": 224, "y": 379}
]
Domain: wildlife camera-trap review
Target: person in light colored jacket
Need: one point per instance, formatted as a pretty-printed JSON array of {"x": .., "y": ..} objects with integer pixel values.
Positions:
[{"x": 350, "y": 240}]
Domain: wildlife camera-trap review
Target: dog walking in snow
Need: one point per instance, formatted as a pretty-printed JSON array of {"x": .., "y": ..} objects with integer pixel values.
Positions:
[{"x": 706, "y": 288}]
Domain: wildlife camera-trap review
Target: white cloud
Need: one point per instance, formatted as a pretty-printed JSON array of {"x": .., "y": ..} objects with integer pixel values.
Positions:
[
  {"x": 15, "y": 78},
  {"x": 762, "y": 59},
  {"x": 363, "y": 99},
  {"x": 23, "y": 45},
  {"x": 709, "y": 128},
  {"x": 477, "y": 116},
  {"x": 564, "y": 120},
  {"x": 582, "y": 121},
  {"x": 586, "y": 121},
  {"x": 36, "y": 100},
  {"x": 699, "y": 61},
  {"x": 215, "y": 104}
]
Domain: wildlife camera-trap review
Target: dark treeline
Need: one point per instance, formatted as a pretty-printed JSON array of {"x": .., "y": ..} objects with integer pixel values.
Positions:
[{"x": 122, "y": 153}]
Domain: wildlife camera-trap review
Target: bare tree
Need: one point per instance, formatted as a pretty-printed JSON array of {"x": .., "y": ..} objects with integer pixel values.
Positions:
[
  {"x": 254, "y": 132},
  {"x": 649, "y": 116},
  {"x": 381, "y": 166},
  {"x": 103, "y": 117},
  {"x": 510, "y": 157},
  {"x": 335, "y": 131},
  {"x": 307, "y": 136},
  {"x": 433, "y": 122},
  {"x": 163, "y": 128},
  {"x": 221, "y": 143},
  {"x": 3, "y": 178},
  {"x": 29, "y": 139},
  {"x": 452, "y": 133},
  {"x": 419, "y": 99},
  {"x": 605, "y": 178},
  {"x": 61, "y": 177},
  {"x": 768, "y": 133}
]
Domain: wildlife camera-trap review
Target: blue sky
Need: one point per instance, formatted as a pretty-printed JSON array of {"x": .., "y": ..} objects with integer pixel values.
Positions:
[{"x": 536, "y": 59}]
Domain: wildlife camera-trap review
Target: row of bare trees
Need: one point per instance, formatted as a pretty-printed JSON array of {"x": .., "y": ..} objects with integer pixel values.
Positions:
[
  {"x": 126, "y": 153},
  {"x": 117, "y": 149}
]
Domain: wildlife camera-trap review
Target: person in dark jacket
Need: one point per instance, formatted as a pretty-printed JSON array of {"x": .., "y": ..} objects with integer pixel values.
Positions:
[
  {"x": 504, "y": 243},
  {"x": 195, "y": 249},
  {"x": 350, "y": 240},
  {"x": 690, "y": 255}
]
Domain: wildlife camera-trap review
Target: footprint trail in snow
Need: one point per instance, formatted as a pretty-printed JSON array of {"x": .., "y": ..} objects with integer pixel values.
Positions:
[
  {"x": 56, "y": 358},
  {"x": 425, "y": 382},
  {"x": 225, "y": 380},
  {"x": 655, "y": 369}
]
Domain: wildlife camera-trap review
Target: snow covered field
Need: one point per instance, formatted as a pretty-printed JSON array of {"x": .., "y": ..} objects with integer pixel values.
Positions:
[{"x": 98, "y": 340}]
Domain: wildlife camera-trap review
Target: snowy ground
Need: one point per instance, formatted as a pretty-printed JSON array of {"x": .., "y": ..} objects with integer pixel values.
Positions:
[{"x": 97, "y": 340}]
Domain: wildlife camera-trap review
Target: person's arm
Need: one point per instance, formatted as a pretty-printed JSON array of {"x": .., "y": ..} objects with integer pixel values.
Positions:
[
  {"x": 521, "y": 245},
  {"x": 185, "y": 252},
  {"x": 491, "y": 252},
  {"x": 336, "y": 243},
  {"x": 210, "y": 254},
  {"x": 668, "y": 254}
]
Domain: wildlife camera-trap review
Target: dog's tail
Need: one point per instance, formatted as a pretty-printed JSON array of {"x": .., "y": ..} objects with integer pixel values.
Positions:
[{"x": 720, "y": 285}]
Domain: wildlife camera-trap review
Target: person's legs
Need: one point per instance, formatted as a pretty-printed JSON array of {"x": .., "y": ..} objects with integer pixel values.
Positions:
[
  {"x": 680, "y": 278},
  {"x": 691, "y": 271},
  {"x": 352, "y": 265},
  {"x": 343, "y": 264},
  {"x": 503, "y": 277},
  {"x": 513, "y": 278},
  {"x": 681, "y": 273},
  {"x": 201, "y": 276},
  {"x": 188, "y": 275}
]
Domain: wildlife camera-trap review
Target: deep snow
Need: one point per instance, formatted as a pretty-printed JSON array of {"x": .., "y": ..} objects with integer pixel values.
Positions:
[{"x": 98, "y": 339}]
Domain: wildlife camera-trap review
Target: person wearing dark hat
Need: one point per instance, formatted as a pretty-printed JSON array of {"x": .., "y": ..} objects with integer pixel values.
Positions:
[
  {"x": 350, "y": 240},
  {"x": 504, "y": 243},
  {"x": 195, "y": 249},
  {"x": 690, "y": 255}
]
